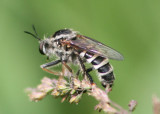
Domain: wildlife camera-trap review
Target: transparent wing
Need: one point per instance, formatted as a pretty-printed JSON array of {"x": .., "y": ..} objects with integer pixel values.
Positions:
[{"x": 93, "y": 46}]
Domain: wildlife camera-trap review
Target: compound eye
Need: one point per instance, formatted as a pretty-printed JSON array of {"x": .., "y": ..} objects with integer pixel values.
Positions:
[{"x": 42, "y": 48}]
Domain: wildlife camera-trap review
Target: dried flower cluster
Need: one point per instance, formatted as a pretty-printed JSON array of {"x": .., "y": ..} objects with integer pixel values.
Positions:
[{"x": 73, "y": 92}]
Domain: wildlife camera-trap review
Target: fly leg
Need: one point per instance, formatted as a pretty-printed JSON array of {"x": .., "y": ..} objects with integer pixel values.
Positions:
[
  {"x": 77, "y": 74},
  {"x": 47, "y": 65},
  {"x": 70, "y": 70},
  {"x": 85, "y": 71},
  {"x": 88, "y": 75},
  {"x": 60, "y": 74}
]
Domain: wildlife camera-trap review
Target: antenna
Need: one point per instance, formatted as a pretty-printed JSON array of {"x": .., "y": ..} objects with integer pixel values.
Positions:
[{"x": 34, "y": 35}]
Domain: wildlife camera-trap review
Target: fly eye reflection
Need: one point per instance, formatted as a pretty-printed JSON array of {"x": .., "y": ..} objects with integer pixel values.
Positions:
[{"x": 42, "y": 49}]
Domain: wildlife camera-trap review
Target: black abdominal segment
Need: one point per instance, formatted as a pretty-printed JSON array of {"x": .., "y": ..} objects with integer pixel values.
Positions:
[
  {"x": 105, "y": 68},
  {"x": 98, "y": 60},
  {"x": 108, "y": 77}
]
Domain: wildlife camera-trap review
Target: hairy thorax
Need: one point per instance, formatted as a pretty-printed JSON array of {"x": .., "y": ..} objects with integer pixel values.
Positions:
[{"x": 61, "y": 51}]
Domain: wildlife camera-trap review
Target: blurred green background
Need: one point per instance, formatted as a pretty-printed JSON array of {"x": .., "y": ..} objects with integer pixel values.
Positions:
[{"x": 130, "y": 26}]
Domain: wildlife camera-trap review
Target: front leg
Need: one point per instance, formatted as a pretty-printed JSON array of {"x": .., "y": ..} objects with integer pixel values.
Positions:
[
  {"x": 69, "y": 69},
  {"x": 47, "y": 65}
]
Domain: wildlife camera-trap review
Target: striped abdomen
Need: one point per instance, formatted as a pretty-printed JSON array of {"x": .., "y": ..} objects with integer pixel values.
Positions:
[{"x": 101, "y": 64}]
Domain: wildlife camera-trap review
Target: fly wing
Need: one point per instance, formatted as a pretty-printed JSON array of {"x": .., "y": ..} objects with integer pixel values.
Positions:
[{"x": 93, "y": 46}]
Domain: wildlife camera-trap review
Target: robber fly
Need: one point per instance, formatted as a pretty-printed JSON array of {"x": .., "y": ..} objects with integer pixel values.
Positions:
[{"x": 71, "y": 47}]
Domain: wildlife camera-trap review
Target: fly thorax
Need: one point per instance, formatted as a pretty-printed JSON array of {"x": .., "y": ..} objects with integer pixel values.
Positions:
[
  {"x": 57, "y": 48},
  {"x": 65, "y": 33}
]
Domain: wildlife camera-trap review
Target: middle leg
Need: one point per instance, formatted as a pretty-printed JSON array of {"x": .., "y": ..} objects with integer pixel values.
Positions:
[{"x": 85, "y": 71}]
